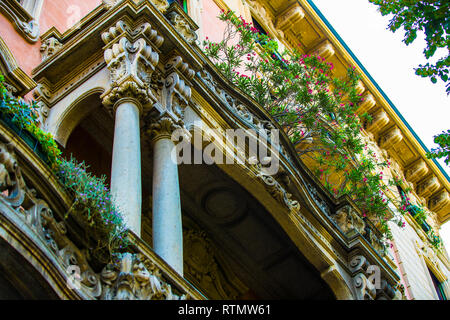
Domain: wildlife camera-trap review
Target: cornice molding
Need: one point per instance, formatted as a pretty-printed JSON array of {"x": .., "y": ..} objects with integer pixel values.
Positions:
[{"x": 23, "y": 21}]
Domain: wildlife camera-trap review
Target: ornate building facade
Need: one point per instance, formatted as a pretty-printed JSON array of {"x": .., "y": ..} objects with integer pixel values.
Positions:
[{"x": 113, "y": 80}]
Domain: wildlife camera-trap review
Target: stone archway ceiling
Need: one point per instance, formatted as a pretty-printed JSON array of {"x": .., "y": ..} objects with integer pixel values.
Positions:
[
  {"x": 254, "y": 244},
  {"x": 300, "y": 24}
]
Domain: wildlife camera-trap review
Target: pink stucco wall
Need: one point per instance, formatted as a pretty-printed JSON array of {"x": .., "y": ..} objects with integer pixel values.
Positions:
[{"x": 61, "y": 14}]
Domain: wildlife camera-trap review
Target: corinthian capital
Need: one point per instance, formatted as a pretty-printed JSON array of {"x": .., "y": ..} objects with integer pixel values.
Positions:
[
  {"x": 131, "y": 62},
  {"x": 163, "y": 128}
]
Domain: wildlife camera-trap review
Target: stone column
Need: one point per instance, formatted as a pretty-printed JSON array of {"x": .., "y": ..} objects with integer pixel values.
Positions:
[
  {"x": 126, "y": 183},
  {"x": 167, "y": 220},
  {"x": 131, "y": 65},
  {"x": 167, "y": 115}
]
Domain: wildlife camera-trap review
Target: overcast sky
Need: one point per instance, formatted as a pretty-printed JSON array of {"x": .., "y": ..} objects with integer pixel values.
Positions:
[{"x": 424, "y": 105}]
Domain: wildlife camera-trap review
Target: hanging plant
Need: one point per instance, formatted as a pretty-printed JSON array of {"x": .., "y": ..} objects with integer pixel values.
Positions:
[{"x": 92, "y": 206}]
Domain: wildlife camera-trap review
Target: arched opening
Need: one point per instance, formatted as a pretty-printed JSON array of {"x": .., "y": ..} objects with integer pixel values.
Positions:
[{"x": 18, "y": 279}]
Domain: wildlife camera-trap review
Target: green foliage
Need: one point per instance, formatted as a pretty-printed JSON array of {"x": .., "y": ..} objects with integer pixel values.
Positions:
[
  {"x": 443, "y": 151},
  {"x": 318, "y": 112},
  {"x": 24, "y": 116},
  {"x": 92, "y": 202},
  {"x": 430, "y": 16},
  {"x": 92, "y": 205}
]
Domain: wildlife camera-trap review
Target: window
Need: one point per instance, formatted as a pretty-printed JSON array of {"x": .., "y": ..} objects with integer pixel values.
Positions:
[
  {"x": 275, "y": 54},
  {"x": 182, "y": 3},
  {"x": 438, "y": 286}
]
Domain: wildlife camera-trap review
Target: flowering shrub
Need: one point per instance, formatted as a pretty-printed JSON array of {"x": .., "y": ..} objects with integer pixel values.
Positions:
[{"x": 317, "y": 111}]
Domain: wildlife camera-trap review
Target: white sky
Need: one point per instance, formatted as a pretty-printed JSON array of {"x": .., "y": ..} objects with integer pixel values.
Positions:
[{"x": 424, "y": 105}]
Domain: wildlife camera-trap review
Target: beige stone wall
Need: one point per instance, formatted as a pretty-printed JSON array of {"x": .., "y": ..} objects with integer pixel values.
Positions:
[{"x": 412, "y": 266}]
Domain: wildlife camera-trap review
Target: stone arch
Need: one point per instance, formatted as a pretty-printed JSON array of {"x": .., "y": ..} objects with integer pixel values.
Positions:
[{"x": 74, "y": 113}]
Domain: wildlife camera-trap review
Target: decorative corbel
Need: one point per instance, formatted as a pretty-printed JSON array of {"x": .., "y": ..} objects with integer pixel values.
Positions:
[
  {"x": 49, "y": 47},
  {"x": 42, "y": 97},
  {"x": 184, "y": 25}
]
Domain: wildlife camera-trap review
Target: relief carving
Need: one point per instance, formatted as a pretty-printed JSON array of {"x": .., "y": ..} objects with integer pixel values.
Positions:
[
  {"x": 133, "y": 277},
  {"x": 184, "y": 28},
  {"x": 348, "y": 219},
  {"x": 202, "y": 264},
  {"x": 49, "y": 47}
]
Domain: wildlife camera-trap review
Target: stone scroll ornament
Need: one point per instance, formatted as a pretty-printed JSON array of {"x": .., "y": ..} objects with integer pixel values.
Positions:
[
  {"x": 173, "y": 92},
  {"x": 278, "y": 192},
  {"x": 368, "y": 281},
  {"x": 131, "y": 64}
]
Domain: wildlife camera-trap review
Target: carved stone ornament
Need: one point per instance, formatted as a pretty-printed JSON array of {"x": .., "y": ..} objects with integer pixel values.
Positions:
[
  {"x": 161, "y": 5},
  {"x": 173, "y": 91},
  {"x": 368, "y": 281},
  {"x": 184, "y": 28},
  {"x": 348, "y": 219},
  {"x": 134, "y": 277},
  {"x": 279, "y": 192},
  {"x": 290, "y": 16},
  {"x": 162, "y": 128},
  {"x": 322, "y": 204},
  {"x": 42, "y": 96},
  {"x": 23, "y": 21},
  {"x": 260, "y": 11},
  {"x": 49, "y": 47},
  {"x": 110, "y": 3},
  {"x": 131, "y": 64},
  {"x": 201, "y": 263}
]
